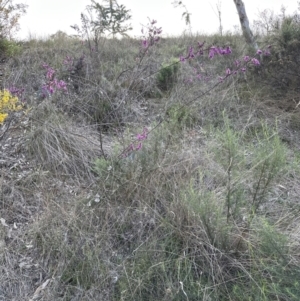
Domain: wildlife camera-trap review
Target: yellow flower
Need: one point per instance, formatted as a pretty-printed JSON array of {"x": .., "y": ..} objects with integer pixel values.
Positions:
[
  {"x": 3, "y": 116},
  {"x": 8, "y": 102}
]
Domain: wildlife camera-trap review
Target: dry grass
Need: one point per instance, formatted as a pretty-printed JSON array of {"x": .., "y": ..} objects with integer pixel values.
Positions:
[
  {"x": 61, "y": 146},
  {"x": 207, "y": 209}
]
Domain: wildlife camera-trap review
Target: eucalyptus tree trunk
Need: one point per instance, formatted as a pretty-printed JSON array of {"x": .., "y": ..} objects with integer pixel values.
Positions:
[{"x": 247, "y": 33}]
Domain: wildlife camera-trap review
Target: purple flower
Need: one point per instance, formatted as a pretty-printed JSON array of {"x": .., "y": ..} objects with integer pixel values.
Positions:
[
  {"x": 191, "y": 53},
  {"x": 50, "y": 88},
  {"x": 145, "y": 131},
  {"x": 53, "y": 84},
  {"x": 182, "y": 58},
  {"x": 61, "y": 85},
  {"x": 218, "y": 50},
  {"x": 50, "y": 73},
  {"x": 142, "y": 136},
  {"x": 139, "y": 146},
  {"x": 145, "y": 43},
  {"x": 246, "y": 58},
  {"x": 228, "y": 50},
  {"x": 243, "y": 69},
  {"x": 267, "y": 52},
  {"x": 18, "y": 92},
  {"x": 223, "y": 51},
  {"x": 15, "y": 91},
  {"x": 212, "y": 52},
  {"x": 259, "y": 52},
  {"x": 199, "y": 52},
  {"x": 255, "y": 62},
  {"x": 237, "y": 63},
  {"x": 228, "y": 71}
]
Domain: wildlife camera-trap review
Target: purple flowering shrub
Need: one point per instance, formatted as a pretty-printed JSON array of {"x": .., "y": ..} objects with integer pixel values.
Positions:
[
  {"x": 204, "y": 55},
  {"x": 150, "y": 35},
  {"x": 52, "y": 84},
  {"x": 136, "y": 145},
  {"x": 74, "y": 71},
  {"x": 18, "y": 92},
  {"x": 139, "y": 78},
  {"x": 234, "y": 67}
]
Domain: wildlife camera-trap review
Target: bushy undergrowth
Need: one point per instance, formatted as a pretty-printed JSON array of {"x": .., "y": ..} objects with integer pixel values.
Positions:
[
  {"x": 280, "y": 72},
  {"x": 149, "y": 183},
  {"x": 172, "y": 222},
  {"x": 9, "y": 48}
]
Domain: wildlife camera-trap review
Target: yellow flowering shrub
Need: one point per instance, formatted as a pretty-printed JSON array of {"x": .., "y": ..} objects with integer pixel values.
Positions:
[{"x": 8, "y": 103}]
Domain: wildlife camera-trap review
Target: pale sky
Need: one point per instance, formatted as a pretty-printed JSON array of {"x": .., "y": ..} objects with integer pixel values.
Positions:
[{"x": 45, "y": 17}]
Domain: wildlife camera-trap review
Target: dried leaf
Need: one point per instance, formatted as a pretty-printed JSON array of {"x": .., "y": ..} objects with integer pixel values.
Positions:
[
  {"x": 25, "y": 265},
  {"x": 3, "y": 222},
  {"x": 38, "y": 290},
  {"x": 97, "y": 198}
]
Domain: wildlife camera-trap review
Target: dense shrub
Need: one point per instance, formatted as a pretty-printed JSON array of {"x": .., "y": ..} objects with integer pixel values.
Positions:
[
  {"x": 280, "y": 72},
  {"x": 167, "y": 75}
]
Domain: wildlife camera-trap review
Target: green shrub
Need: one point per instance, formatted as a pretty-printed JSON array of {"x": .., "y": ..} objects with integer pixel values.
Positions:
[
  {"x": 9, "y": 48},
  {"x": 167, "y": 75},
  {"x": 280, "y": 71},
  {"x": 181, "y": 116},
  {"x": 249, "y": 169}
]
